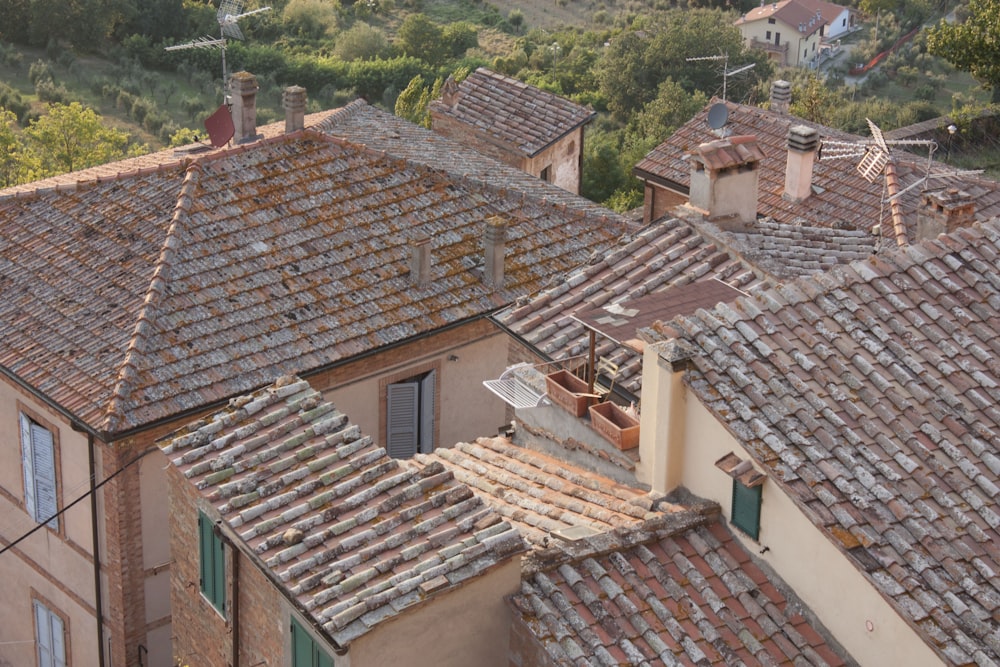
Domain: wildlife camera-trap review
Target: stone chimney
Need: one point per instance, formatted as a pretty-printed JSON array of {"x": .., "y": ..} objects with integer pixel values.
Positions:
[
  {"x": 243, "y": 93},
  {"x": 781, "y": 96},
  {"x": 494, "y": 242},
  {"x": 803, "y": 143},
  {"x": 944, "y": 211},
  {"x": 294, "y": 101},
  {"x": 420, "y": 260},
  {"x": 724, "y": 179}
]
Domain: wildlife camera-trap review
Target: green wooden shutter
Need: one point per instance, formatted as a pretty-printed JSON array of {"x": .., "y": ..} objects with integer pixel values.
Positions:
[
  {"x": 402, "y": 419},
  {"x": 211, "y": 563},
  {"x": 746, "y": 508},
  {"x": 305, "y": 651}
]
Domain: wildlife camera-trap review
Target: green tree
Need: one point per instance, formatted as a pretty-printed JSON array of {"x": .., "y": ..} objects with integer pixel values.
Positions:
[
  {"x": 12, "y": 158},
  {"x": 972, "y": 46},
  {"x": 412, "y": 104},
  {"x": 71, "y": 137},
  {"x": 361, "y": 42},
  {"x": 420, "y": 37},
  {"x": 814, "y": 101},
  {"x": 633, "y": 65},
  {"x": 312, "y": 19},
  {"x": 671, "y": 108}
]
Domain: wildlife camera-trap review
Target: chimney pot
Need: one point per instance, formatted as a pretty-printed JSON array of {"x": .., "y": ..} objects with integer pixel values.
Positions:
[
  {"x": 420, "y": 260},
  {"x": 803, "y": 142},
  {"x": 944, "y": 211},
  {"x": 781, "y": 96},
  {"x": 294, "y": 101},
  {"x": 243, "y": 91},
  {"x": 449, "y": 92},
  {"x": 495, "y": 246}
]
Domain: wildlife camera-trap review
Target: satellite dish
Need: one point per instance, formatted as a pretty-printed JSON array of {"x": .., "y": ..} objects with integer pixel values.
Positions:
[
  {"x": 718, "y": 115},
  {"x": 220, "y": 126}
]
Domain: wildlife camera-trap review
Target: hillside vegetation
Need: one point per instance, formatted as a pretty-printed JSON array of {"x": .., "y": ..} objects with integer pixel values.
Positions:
[{"x": 625, "y": 58}]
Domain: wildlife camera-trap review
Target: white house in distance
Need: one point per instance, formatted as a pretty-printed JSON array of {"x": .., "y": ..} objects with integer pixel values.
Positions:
[{"x": 790, "y": 31}]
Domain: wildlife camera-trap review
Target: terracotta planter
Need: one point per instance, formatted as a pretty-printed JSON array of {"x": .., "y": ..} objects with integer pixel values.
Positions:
[
  {"x": 615, "y": 425},
  {"x": 569, "y": 392}
]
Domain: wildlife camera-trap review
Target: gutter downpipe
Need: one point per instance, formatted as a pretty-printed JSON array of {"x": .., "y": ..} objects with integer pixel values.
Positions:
[{"x": 98, "y": 598}]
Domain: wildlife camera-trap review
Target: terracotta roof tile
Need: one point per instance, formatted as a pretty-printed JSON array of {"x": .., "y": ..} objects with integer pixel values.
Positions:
[
  {"x": 687, "y": 598},
  {"x": 887, "y": 416},
  {"x": 841, "y": 197},
  {"x": 544, "y": 498},
  {"x": 522, "y": 116},
  {"x": 204, "y": 278},
  {"x": 351, "y": 533}
]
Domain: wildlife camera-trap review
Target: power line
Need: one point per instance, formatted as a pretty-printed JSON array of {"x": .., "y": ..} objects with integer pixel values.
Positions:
[{"x": 110, "y": 477}]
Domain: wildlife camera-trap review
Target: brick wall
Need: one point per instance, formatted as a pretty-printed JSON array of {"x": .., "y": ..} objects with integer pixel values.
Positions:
[
  {"x": 478, "y": 141},
  {"x": 200, "y": 635}
]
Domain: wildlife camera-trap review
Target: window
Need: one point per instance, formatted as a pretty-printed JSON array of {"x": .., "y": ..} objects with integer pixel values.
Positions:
[
  {"x": 768, "y": 37},
  {"x": 777, "y": 39},
  {"x": 771, "y": 21},
  {"x": 305, "y": 651},
  {"x": 50, "y": 637},
  {"x": 212, "y": 561},
  {"x": 746, "y": 508},
  {"x": 546, "y": 174},
  {"x": 410, "y": 416},
  {"x": 38, "y": 458}
]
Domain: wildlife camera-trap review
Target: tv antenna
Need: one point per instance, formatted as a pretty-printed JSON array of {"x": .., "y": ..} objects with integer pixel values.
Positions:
[
  {"x": 230, "y": 12},
  {"x": 876, "y": 160},
  {"x": 726, "y": 72}
]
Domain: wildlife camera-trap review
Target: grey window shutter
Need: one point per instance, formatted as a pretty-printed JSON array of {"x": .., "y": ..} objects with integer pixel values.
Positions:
[
  {"x": 27, "y": 459},
  {"x": 427, "y": 413},
  {"x": 44, "y": 463},
  {"x": 50, "y": 640},
  {"x": 402, "y": 405}
]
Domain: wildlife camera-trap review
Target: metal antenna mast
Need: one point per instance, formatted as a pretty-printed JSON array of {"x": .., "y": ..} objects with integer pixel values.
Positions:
[
  {"x": 230, "y": 12},
  {"x": 726, "y": 72}
]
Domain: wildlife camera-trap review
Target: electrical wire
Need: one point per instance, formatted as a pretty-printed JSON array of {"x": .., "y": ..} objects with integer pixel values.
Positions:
[{"x": 84, "y": 496}]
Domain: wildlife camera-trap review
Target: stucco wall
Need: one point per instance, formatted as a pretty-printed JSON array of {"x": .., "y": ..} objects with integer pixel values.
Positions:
[
  {"x": 52, "y": 566},
  {"x": 465, "y": 410},
  {"x": 819, "y": 573},
  {"x": 563, "y": 159},
  {"x": 467, "y": 626}
]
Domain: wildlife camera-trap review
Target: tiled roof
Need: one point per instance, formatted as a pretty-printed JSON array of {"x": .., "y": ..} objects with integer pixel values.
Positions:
[
  {"x": 785, "y": 250},
  {"x": 662, "y": 256},
  {"x": 354, "y": 537},
  {"x": 794, "y": 13},
  {"x": 870, "y": 391},
  {"x": 361, "y": 123},
  {"x": 841, "y": 197},
  {"x": 133, "y": 299},
  {"x": 694, "y": 598},
  {"x": 544, "y": 497},
  {"x": 520, "y": 115}
]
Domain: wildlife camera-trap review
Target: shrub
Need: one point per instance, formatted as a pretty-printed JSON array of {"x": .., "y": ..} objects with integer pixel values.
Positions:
[
  {"x": 39, "y": 71},
  {"x": 361, "y": 42}
]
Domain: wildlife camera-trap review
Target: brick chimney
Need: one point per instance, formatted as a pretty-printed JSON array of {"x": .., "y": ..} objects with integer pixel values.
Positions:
[
  {"x": 420, "y": 260},
  {"x": 803, "y": 143},
  {"x": 724, "y": 179},
  {"x": 294, "y": 101},
  {"x": 944, "y": 211},
  {"x": 243, "y": 92},
  {"x": 494, "y": 242},
  {"x": 781, "y": 96}
]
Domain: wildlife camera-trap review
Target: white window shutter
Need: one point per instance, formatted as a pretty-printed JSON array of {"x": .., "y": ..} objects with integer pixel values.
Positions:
[
  {"x": 44, "y": 463},
  {"x": 50, "y": 638},
  {"x": 427, "y": 413},
  {"x": 27, "y": 459},
  {"x": 402, "y": 405}
]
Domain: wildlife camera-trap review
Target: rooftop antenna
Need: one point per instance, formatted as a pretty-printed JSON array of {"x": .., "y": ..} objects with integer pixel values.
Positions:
[
  {"x": 876, "y": 160},
  {"x": 726, "y": 72},
  {"x": 230, "y": 12}
]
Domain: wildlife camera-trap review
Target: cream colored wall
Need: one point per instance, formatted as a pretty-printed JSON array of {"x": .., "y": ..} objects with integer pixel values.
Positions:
[
  {"x": 463, "y": 627},
  {"x": 54, "y": 567},
  {"x": 466, "y": 409},
  {"x": 789, "y": 35},
  {"x": 156, "y": 558},
  {"x": 806, "y": 560}
]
